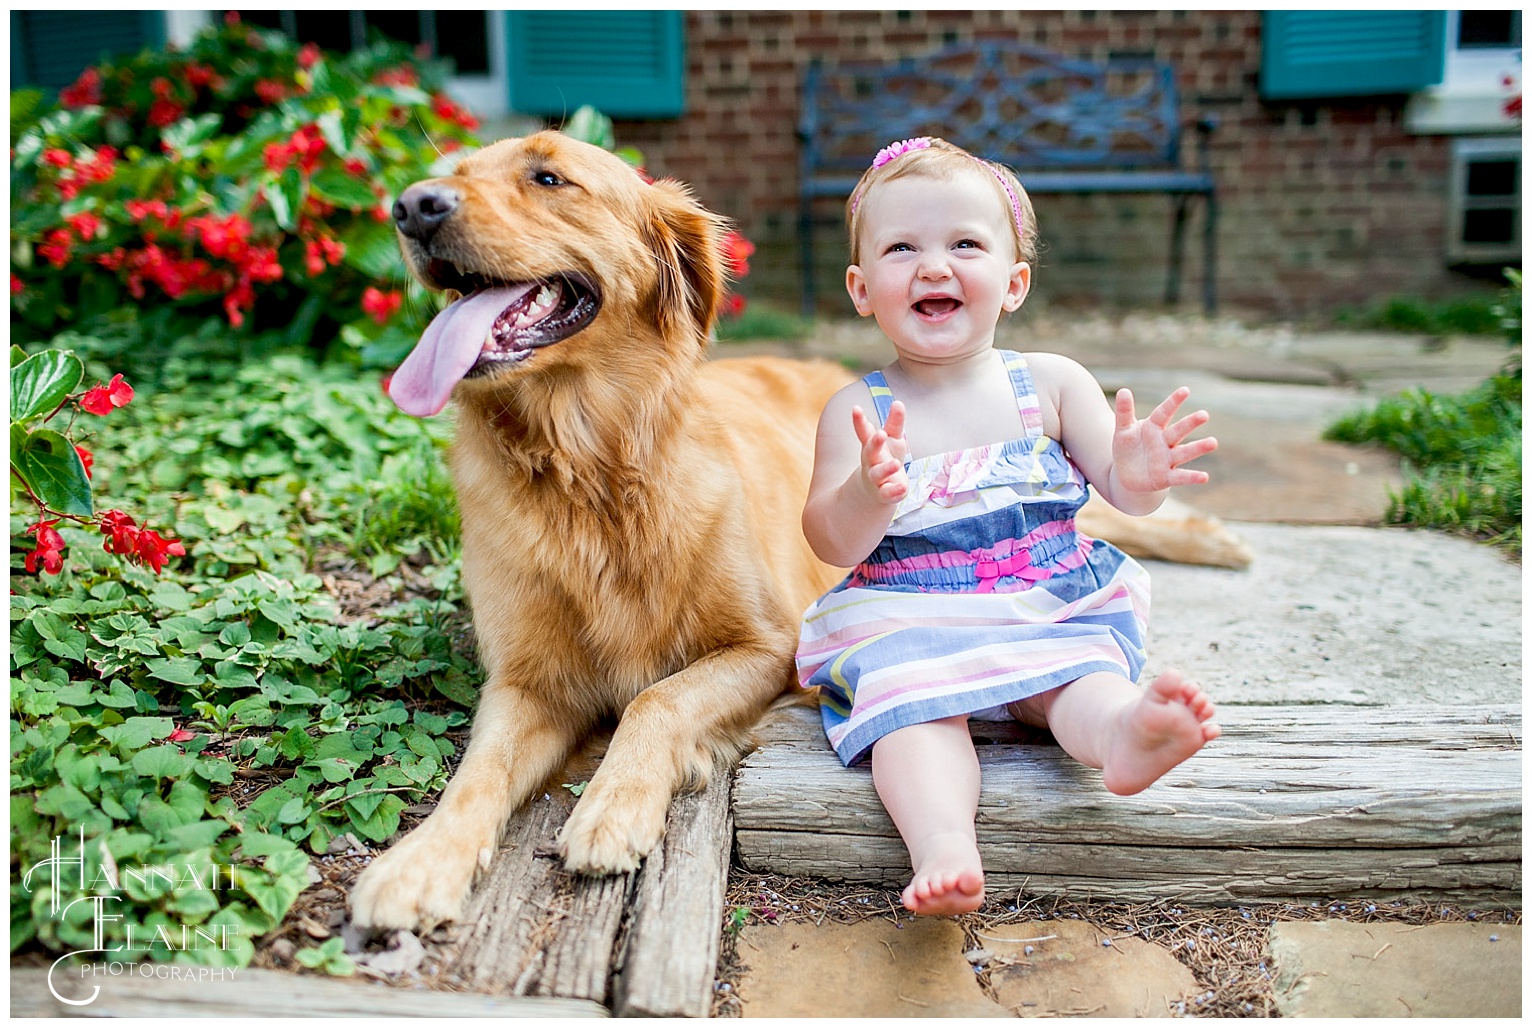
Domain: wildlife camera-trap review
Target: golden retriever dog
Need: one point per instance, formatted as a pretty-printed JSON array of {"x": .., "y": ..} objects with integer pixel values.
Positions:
[
  {"x": 630, "y": 511},
  {"x": 631, "y": 541}
]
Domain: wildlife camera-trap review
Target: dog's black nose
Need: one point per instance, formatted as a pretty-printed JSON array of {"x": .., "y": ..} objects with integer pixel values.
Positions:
[{"x": 421, "y": 209}]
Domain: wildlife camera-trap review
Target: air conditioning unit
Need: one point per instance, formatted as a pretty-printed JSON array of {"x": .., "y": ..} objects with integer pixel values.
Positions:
[{"x": 1484, "y": 201}]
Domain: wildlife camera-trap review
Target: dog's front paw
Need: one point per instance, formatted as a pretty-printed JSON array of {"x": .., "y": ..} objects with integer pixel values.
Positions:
[
  {"x": 610, "y": 831},
  {"x": 419, "y": 883}
]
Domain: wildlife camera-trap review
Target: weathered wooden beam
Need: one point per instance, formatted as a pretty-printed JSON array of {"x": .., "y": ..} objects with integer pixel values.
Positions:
[
  {"x": 645, "y": 943},
  {"x": 537, "y": 929},
  {"x": 1291, "y": 803},
  {"x": 672, "y": 943},
  {"x": 258, "y": 993}
]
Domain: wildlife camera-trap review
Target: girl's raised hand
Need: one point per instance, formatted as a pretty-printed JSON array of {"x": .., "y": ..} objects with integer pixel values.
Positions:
[
  {"x": 1147, "y": 456},
  {"x": 883, "y": 453}
]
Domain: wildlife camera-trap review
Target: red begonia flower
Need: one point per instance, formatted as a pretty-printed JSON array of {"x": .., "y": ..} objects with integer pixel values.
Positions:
[
  {"x": 380, "y": 305},
  {"x": 100, "y": 399},
  {"x": 50, "y": 548},
  {"x": 85, "y": 92},
  {"x": 163, "y": 113},
  {"x": 736, "y": 253},
  {"x": 153, "y": 550},
  {"x": 121, "y": 532}
]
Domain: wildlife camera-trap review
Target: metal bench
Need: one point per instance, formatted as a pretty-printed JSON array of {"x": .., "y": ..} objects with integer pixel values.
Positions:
[{"x": 1064, "y": 125}]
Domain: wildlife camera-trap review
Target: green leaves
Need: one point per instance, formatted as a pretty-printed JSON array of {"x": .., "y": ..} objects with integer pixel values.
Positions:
[
  {"x": 591, "y": 126},
  {"x": 51, "y": 467},
  {"x": 40, "y": 383},
  {"x": 44, "y": 459},
  {"x": 333, "y": 185},
  {"x": 329, "y": 957},
  {"x": 285, "y": 195},
  {"x": 188, "y": 135}
]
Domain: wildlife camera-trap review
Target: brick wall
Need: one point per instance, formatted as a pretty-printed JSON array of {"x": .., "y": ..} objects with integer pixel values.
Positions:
[{"x": 1321, "y": 204}]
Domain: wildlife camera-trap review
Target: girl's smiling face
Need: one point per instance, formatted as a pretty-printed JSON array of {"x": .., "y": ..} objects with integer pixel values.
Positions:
[{"x": 938, "y": 265}]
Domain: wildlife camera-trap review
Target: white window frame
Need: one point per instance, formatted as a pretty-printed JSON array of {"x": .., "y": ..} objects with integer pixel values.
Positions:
[
  {"x": 1464, "y": 153},
  {"x": 1472, "y": 94},
  {"x": 487, "y": 96}
]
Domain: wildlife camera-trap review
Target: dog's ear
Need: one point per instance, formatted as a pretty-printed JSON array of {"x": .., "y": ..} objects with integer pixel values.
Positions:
[{"x": 685, "y": 240}]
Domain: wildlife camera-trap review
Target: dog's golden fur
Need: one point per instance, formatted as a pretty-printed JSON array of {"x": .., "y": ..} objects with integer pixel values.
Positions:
[
  {"x": 631, "y": 538},
  {"x": 631, "y": 541}
]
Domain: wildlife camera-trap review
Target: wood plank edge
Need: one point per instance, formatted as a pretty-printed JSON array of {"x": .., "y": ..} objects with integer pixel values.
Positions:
[
  {"x": 651, "y": 937},
  {"x": 258, "y": 992}
]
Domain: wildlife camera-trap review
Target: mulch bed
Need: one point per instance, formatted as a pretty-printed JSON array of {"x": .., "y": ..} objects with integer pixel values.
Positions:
[{"x": 1225, "y": 947}]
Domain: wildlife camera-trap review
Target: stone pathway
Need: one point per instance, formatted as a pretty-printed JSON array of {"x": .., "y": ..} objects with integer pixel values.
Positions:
[{"x": 923, "y": 967}]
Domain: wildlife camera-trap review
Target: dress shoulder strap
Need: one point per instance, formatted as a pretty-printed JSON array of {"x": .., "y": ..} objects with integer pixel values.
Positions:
[
  {"x": 1026, "y": 393},
  {"x": 882, "y": 395}
]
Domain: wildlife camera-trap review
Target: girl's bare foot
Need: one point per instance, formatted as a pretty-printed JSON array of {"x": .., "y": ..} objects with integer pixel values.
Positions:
[
  {"x": 1170, "y": 722},
  {"x": 949, "y": 879}
]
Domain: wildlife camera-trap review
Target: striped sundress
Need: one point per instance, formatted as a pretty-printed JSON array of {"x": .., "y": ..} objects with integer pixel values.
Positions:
[{"x": 982, "y": 592}]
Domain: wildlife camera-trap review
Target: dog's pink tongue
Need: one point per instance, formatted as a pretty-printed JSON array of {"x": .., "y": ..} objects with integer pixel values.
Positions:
[{"x": 448, "y": 348}]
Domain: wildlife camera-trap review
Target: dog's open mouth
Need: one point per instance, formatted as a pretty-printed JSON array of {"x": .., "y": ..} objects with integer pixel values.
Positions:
[
  {"x": 544, "y": 313},
  {"x": 493, "y": 325}
]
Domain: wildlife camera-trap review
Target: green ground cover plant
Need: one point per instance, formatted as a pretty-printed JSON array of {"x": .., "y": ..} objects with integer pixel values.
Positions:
[
  {"x": 1463, "y": 451},
  {"x": 228, "y": 711}
]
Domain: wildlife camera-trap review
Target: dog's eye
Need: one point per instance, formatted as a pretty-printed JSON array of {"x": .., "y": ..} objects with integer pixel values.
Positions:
[{"x": 546, "y": 178}]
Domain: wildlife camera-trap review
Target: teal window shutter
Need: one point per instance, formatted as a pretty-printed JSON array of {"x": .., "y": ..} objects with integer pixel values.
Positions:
[
  {"x": 627, "y": 64},
  {"x": 51, "y": 48},
  {"x": 1311, "y": 54}
]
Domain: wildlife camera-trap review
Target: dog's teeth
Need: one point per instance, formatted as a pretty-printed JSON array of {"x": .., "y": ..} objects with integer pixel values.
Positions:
[{"x": 541, "y": 304}]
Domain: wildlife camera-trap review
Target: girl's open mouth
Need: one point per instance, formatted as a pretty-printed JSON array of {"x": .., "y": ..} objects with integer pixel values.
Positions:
[{"x": 936, "y": 306}]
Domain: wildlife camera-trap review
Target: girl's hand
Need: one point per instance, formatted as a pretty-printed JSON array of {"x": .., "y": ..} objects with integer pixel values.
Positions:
[
  {"x": 883, "y": 453},
  {"x": 1147, "y": 456}
]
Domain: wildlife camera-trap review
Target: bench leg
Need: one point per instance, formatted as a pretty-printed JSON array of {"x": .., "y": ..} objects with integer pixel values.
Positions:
[
  {"x": 806, "y": 253},
  {"x": 1210, "y": 256},
  {"x": 1177, "y": 249}
]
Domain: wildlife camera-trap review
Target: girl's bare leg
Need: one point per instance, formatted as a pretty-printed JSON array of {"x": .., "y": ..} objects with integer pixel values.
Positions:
[
  {"x": 1133, "y": 735},
  {"x": 928, "y": 778}
]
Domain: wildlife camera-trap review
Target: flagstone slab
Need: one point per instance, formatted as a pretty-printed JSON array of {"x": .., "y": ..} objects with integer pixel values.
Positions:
[
  {"x": 1349, "y": 969},
  {"x": 871, "y": 969},
  {"x": 1074, "y": 969}
]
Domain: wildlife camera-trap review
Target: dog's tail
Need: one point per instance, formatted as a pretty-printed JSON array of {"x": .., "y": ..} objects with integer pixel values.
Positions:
[{"x": 796, "y": 697}]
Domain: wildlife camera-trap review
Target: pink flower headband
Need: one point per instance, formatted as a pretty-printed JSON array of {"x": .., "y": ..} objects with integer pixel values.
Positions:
[
  {"x": 899, "y": 149},
  {"x": 893, "y": 151}
]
